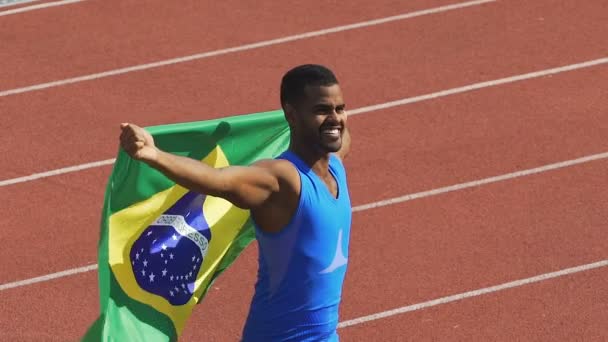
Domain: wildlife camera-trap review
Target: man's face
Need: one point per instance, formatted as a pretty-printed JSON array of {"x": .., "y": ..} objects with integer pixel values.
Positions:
[{"x": 319, "y": 119}]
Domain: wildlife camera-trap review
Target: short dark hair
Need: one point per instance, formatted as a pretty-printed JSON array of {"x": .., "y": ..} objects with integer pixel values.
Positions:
[{"x": 297, "y": 79}]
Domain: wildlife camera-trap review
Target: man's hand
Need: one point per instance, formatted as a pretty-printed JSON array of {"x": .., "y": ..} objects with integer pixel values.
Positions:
[{"x": 138, "y": 143}]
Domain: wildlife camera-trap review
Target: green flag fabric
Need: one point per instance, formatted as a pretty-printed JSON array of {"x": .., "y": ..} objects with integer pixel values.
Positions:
[{"x": 161, "y": 246}]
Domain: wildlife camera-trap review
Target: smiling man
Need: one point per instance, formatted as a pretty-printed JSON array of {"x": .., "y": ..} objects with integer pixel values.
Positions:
[{"x": 299, "y": 203}]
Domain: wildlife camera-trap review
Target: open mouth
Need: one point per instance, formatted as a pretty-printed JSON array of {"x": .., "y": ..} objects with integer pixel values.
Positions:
[{"x": 331, "y": 131}]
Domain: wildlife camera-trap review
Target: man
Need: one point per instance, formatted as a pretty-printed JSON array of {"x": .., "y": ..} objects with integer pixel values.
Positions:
[{"x": 299, "y": 203}]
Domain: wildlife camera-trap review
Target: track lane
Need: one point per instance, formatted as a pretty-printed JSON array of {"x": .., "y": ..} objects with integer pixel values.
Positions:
[
  {"x": 229, "y": 314},
  {"x": 132, "y": 32},
  {"x": 448, "y": 244},
  {"x": 478, "y": 237},
  {"x": 427, "y": 248},
  {"x": 34, "y": 5},
  {"x": 432, "y": 144},
  {"x": 570, "y": 308},
  {"x": 217, "y": 87},
  {"x": 479, "y": 134},
  {"x": 52, "y": 311},
  {"x": 52, "y": 224}
]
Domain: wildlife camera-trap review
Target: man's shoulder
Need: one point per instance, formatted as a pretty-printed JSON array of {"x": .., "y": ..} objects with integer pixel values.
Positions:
[
  {"x": 276, "y": 212},
  {"x": 274, "y": 164},
  {"x": 281, "y": 168}
]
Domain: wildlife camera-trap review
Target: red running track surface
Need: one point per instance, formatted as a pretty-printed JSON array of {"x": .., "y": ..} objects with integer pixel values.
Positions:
[{"x": 400, "y": 254}]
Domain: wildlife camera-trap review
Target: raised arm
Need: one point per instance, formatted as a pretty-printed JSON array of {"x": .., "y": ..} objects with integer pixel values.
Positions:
[
  {"x": 345, "y": 149},
  {"x": 247, "y": 187}
]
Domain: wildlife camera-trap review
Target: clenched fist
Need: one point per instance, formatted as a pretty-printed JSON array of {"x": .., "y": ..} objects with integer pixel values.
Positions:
[{"x": 138, "y": 143}]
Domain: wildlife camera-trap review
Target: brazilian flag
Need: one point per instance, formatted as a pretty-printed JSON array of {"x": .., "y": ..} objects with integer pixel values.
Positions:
[{"x": 161, "y": 245}]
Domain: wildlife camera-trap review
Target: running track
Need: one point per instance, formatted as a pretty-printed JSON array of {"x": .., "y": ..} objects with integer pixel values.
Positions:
[{"x": 483, "y": 233}]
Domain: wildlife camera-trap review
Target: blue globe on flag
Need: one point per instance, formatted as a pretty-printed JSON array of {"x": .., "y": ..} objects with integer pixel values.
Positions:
[{"x": 167, "y": 256}]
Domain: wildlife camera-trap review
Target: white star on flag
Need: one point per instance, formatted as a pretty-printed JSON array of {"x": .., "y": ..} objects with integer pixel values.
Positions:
[{"x": 151, "y": 276}]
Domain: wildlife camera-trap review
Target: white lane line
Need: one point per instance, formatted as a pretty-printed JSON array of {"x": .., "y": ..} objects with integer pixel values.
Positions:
[
  {"x": 474, "y": 293},
  {"x": 480, "y": 85},
  {"x": 368, "y": 206},
  {"x": 48, "y": 277},
  {"x": 245, "y": 47},
  {"x": 484, "y": 181},
  {"x": 56, "y": 172},
  {"x": 35, "y": 7},
  {"x": 6, "y": 3},
  {"x": 401, "y": 102}
]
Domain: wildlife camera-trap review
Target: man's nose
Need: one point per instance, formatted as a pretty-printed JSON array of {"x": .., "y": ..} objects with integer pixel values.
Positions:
[{"x": 334, "y": 115}]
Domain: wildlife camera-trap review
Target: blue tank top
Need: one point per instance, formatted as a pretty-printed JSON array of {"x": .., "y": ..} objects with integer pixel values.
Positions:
[{"x": 302, "y": 267}]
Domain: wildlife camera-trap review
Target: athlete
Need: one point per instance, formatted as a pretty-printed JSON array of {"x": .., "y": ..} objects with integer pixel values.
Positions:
[{"x": 299, "y": 203}]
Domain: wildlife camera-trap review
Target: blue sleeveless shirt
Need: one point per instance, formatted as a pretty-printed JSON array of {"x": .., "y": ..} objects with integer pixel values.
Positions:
[{"x": 302, "y": 267}]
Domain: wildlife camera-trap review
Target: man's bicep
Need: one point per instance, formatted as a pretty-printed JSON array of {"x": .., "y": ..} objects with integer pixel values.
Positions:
[{"x": 249, "y": 186}]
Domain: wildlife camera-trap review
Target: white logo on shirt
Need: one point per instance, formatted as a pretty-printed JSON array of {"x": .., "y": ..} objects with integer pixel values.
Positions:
[{"x": 339, "y": 258}]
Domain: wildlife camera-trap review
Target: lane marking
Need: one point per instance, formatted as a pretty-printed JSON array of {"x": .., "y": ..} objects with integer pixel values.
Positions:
[
  {"x": 35, "y": 7},
  {"x": 6, "y": 3},
  {"x": 484, "y": 181},
  {"x": 401, "y": 102},
  {"x": 481, "y": 85},
  {"x": 474, "y": 293},
  {"x": 47, "y": 277},
  {"x": 363, "y": 207},
  {"x": 245, "y": 47},
  {"x": 56, "y": 172}
]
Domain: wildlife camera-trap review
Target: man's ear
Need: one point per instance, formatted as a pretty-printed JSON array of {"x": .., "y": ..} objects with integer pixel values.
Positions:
[{"x": 290, "y": 113}]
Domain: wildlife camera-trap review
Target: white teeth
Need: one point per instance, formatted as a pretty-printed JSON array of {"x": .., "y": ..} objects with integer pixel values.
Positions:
[{"x": 334, "y": 131}]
